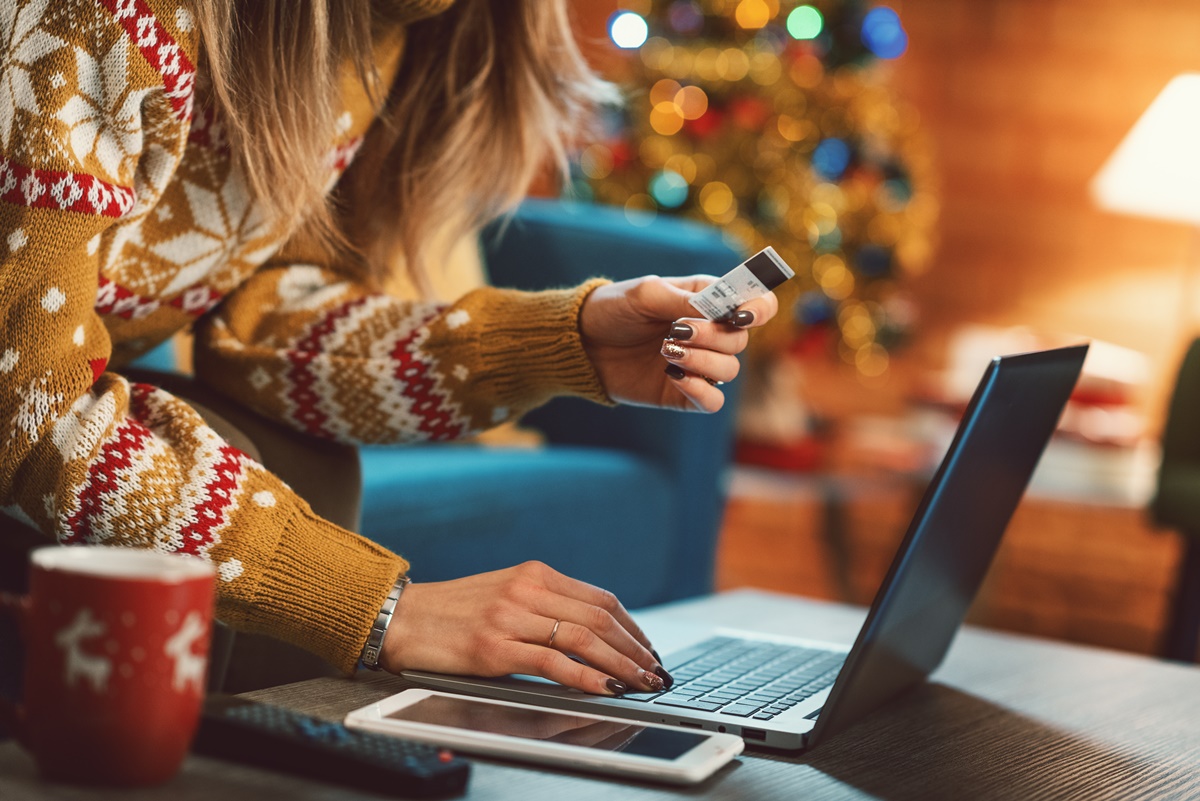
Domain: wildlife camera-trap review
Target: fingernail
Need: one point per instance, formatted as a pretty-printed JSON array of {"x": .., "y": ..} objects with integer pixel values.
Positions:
[
  {"x": 743, "y": 318},
  {"x": 654, "y": 654},
  {"x": 672, "y": 350},
  {"x": 653, "y": 682},
  {"x": 675, "y": 371},
  {"x": 662, "y": 673},
  {"x": 681, "y": 331},
  {"x": 615, "y": 687}
]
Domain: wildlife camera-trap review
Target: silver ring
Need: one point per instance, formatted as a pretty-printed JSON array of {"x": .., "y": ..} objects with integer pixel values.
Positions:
[{"x": 553, "y": 631}]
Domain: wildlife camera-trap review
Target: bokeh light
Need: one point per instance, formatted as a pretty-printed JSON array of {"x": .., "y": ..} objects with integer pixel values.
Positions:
[
  {"x": 831, "y": 158},
  {"x": 682, "y": 165},
  {"x": 814, "y": 308},
  {"x": 669, "y": 189},
  {"x": 735, "y": 65},
  {"x": 657, "y": 53},
  {"x": 805, "y": 22},
  {"x": 692, "y": 102},
  {"x": 665, "y": 118},
  {"x": 640, "y": 210},
  {"x": 883, "y": 34},
  {"x": 752, "y": 14},
  {"x": 596, "y": 161},
  {"x": 685, "y": 17},
  {"x": 628, "y": 30},
  {"x": 664, "y": 91},
  {"x": 718, "y": 202},
  {"x": 871, "y": 360},
  {"x": 765, "y": 68}
]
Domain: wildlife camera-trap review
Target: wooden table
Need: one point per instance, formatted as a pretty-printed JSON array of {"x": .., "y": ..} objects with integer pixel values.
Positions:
[{"x": 1005, "y": 717}]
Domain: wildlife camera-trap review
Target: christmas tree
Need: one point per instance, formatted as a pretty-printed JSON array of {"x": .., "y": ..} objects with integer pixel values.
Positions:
[{"x": 773, "y": 120}]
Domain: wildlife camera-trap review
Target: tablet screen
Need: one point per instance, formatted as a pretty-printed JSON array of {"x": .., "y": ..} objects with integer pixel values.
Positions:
[{"x": 550, "y": 726}]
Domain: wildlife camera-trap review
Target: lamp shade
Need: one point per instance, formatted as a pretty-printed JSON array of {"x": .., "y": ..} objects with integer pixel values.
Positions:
[{"x": 1155, "y": 171}]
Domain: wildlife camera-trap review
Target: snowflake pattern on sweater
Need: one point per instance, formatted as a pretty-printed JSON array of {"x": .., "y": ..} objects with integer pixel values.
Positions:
[{"x": 124, "y": 219}]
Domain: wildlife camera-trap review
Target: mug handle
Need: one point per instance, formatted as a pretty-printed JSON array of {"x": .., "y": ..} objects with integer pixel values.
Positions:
[{"x": 12, "y": 714}]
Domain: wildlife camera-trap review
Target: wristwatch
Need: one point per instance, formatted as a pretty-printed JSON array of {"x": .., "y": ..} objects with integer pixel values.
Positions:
[{"x": 374, "y": 646}]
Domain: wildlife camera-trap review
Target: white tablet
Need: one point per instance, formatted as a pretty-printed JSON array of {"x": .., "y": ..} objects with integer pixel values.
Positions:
[{"x": 549, "y": 736}]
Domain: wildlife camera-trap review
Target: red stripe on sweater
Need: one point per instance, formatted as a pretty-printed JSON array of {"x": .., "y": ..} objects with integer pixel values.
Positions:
[
  {"x": 114, "y": 299},
  {"x": 65, "y": 191},
  {"x": 117, "y": 454},
  {"x": 218, "y": 493},
  {"x": 159, "y": 49},
  {"x": 220, "y": 487},
  {"x": 303, "y": 380},
  {"x": 418, "y": 381}
]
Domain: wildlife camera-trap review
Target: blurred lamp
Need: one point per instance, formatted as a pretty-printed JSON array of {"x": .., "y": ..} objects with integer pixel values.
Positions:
[{"x": 1155, "y": 171}]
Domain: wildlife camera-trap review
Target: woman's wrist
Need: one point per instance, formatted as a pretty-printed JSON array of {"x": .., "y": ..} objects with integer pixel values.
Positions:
[{"x": 383, "y": 621}]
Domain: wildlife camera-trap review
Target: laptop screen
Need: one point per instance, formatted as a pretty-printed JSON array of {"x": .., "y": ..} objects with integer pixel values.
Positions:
[{"x": 955, "y": 532}]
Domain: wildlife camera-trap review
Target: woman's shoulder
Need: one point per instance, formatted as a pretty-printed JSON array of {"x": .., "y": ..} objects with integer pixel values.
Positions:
[
  {"x": 103, "y": 50},
  {"x": 89, "y": 80}
]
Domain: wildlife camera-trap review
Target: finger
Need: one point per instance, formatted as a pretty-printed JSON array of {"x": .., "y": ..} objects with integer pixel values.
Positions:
[
  {"x": 667, "y": 298},
  {"x": 761, "y": 310},
  {"x": 700, "y": 333},
  {"x": 691, "y": 283},
  {"x": 706, "y": 363},
  {"x": 548, "y": 663},
  {"x": 696, "y": 393},
  {"x": 595, "y": 596},
  {"x": 638, "y": 660},
  {"x": 581, "y": 641}
]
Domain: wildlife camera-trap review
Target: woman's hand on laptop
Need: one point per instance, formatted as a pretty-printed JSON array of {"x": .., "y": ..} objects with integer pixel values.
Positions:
[{"x": 527, "y": 619}]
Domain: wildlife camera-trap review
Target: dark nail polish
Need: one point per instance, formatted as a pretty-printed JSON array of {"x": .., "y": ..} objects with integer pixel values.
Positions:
[
  {"x": 615, "y": 687},
  {"x": 661, "y": 672},
  {"x": 654, "y": 654},
  {"x": 743, "y": 318},
  {"x": 674, "y": 371},
  {"x": 681, "y": 331}
]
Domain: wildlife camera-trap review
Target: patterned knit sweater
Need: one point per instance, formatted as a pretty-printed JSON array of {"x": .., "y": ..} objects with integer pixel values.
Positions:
[{"x": 124, "y": 220}]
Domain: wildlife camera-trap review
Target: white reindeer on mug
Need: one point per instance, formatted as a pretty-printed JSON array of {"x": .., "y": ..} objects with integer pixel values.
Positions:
[{"x": 95, "y": 669}]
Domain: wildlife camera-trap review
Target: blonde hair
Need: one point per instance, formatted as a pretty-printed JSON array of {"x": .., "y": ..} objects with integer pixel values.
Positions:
[{"x": 488, "y": 92}]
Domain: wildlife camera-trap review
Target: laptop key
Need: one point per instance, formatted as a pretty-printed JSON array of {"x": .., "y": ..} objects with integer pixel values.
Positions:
[
  {"x": 690, "y": 703},
  {"x": 740, "y": 710}
]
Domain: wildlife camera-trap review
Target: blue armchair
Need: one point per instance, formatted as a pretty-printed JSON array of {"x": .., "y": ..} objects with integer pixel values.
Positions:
[{"x": 626, "y": 498}]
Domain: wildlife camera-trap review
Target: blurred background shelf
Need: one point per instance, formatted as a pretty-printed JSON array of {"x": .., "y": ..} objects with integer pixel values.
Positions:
[{"x": 1091, "y": 571}]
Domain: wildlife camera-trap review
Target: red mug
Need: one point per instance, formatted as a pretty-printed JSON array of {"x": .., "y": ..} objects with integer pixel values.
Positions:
[{"x": 115, "y": 661}]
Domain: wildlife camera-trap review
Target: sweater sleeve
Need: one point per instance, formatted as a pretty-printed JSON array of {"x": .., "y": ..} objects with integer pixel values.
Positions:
[
  {"x": 311, "y": 346},
  {"x": 94, "y": 105}
]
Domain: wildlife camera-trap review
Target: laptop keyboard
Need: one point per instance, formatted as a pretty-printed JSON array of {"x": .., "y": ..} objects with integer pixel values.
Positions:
[{"x": 746, "y": 678}]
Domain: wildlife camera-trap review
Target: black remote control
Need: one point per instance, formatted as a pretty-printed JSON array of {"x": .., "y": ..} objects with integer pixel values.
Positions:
[{"x": 267, "y": 736}]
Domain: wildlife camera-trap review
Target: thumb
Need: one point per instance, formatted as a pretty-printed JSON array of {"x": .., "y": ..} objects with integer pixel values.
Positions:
[{"x": 667, "y": 298}]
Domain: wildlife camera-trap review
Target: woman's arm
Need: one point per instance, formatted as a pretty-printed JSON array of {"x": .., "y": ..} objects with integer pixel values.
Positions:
[
  {"x": 93, "y": 133},
  {"x": 317, "y": 349}
]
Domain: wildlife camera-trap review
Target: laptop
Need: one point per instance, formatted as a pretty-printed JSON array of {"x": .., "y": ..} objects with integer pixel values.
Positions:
[{"x": 791, "y": 693}]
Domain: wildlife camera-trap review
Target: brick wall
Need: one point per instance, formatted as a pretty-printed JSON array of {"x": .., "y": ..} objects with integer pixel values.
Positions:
[{"x": 1024, "y": 100}]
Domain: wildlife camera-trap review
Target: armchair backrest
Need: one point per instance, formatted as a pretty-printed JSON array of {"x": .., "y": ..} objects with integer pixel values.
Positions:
[{"x": 1181, "y": 449}]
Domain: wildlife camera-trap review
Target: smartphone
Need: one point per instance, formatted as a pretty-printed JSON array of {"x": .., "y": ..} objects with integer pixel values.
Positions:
[{"x": 549, "y": 736}]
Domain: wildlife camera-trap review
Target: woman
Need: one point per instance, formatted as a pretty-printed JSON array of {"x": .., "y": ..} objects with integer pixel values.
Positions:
[{"x": 170, "y": 164}]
